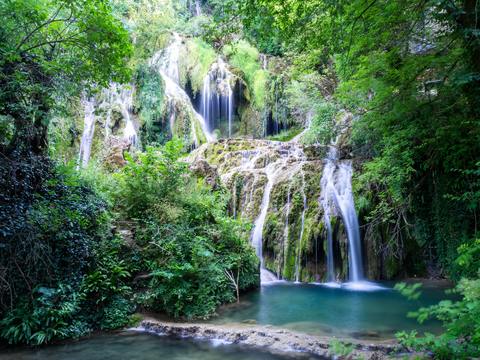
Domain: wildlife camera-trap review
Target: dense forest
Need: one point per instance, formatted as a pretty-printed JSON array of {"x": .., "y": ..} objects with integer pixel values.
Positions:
[{"x": 170, "y": 156}]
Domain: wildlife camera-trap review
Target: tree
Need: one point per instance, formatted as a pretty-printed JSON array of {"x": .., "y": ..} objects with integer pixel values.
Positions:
[
  {"x": 410, "y": 70},
  {"x": 52, "y": 49}
]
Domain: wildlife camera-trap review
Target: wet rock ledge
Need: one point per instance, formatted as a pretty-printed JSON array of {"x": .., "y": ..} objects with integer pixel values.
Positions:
[{"x": 270, "y": 338}]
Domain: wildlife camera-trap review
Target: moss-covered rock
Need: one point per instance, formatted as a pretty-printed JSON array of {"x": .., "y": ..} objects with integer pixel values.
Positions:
[{"x": 293, "y": 234}]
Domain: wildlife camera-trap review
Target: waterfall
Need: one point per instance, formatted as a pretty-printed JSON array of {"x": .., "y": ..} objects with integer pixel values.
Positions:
[
  {"x": 120, "y": 96},
  {"x": 124, "y": 98},
  {"x": 257, "y": 235},
  {"x": 327, "y": 184},
  {"x": 217, "y": 96},
  {"x": 88, "y": 131},
  {"x": 198, "y": 8},
  {"x": 337, "y": 198},
  {"x": 116, "y": 96},
  {"x": 167, "y": 64},
  {"x": 344, "y": 200},
  {"x": 272, "y": 170},
  {"x": 271, "y": 181},
  {"x": 167, "y": 60}
]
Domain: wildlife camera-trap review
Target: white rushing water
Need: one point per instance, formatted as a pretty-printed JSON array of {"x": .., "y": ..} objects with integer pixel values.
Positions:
[
  {"x": 217, "y": 96},
  {"x": 288, "y": 154},
  {"x": 198, "y": 8},
  {"x": 118, "y": 97},
  {"x": 123, "y": 97},
  {"x": 257, "y": 235},
  {"x": 337, "y": 199},
  {"x": 167, "y": 64},
  {"x": 88, "y": 132},
  {"x": 327, "y": 184}
]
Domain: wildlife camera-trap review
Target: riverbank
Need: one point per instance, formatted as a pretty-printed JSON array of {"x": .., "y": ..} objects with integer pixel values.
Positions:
[{"x": 273, "y": 339}]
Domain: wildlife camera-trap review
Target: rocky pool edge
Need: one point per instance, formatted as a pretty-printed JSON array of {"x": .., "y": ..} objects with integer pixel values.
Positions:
[{"x": 272, "y": 339}]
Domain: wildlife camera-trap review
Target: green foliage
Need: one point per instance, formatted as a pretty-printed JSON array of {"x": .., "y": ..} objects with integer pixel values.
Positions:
[
  {"x": 340, "y": 348},
  {"x": 51, "y": 315},
  {"x": 411, "y": 292},
  {"x": 468, "y": 261},
  {"x": 245, "y": 57},
  {"x": 460, "y": 318},
  {"x": 415, "y": 89},
  {"x": 7, "y": 129},
  {"x": 321, "y": 127},
  {"x": 56, "y": 232},
  {"x": 460, "y": 339},
  {"x": 201, "y": 57},
  {"x": 144, "y": 184},
  {"x": 286, "y": 135},
  {"x": 186, "y": 240},
  {"x": 50, "y": 50},
  {"x": 149, "y": 99},
  {"x": 150, "y": 21}
]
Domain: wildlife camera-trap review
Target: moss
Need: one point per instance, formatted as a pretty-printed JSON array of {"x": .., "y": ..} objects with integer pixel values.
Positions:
[
  {"x": 245, "y": 58},
  {"x": 286, "y": 135},
  {"x": 200, "y": 57}
]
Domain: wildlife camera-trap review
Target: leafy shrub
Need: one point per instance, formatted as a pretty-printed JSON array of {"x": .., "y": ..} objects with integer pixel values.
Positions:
[
  {"x": 460, "y": 338},
  {"x": 321, "y": 126},
  {"x": 187, "y": 241},
  {"x": 117, "y": 314},
  {"x": 57, "y": 232},
  {"x": 245, "y": 57},
  {"x": 49, "y": 316},
  {"x": 50, "y": 223}
]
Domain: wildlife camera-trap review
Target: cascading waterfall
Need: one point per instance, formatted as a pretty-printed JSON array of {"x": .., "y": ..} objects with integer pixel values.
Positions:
[
  {"x": 115, "y": 96},
  {"x": 88, "y": 131},
  {"x": 198, "y": 8},
  {"x": 273, "y": 186},
  {"x": 167, "y": 64},
  {"x": 344, "y": 200},
  {"x": 272, "y": 171},
  {"x": 327, "y": 183},
  {"x": 123, "y": 97},
  {"x": 337, "y": 198},
  {"x": 257, "y": 234},
  {"x": 217, "y": 96},
  {"x": 277, "y": 188}
]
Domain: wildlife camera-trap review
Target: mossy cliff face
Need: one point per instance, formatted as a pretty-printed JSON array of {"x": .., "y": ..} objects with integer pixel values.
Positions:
[{"x": 294, "y": 234}]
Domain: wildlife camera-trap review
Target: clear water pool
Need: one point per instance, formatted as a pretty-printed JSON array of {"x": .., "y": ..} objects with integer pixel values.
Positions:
[
  {"x": 142, "y": 346},
  {"x": 324, "y": 310}
]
